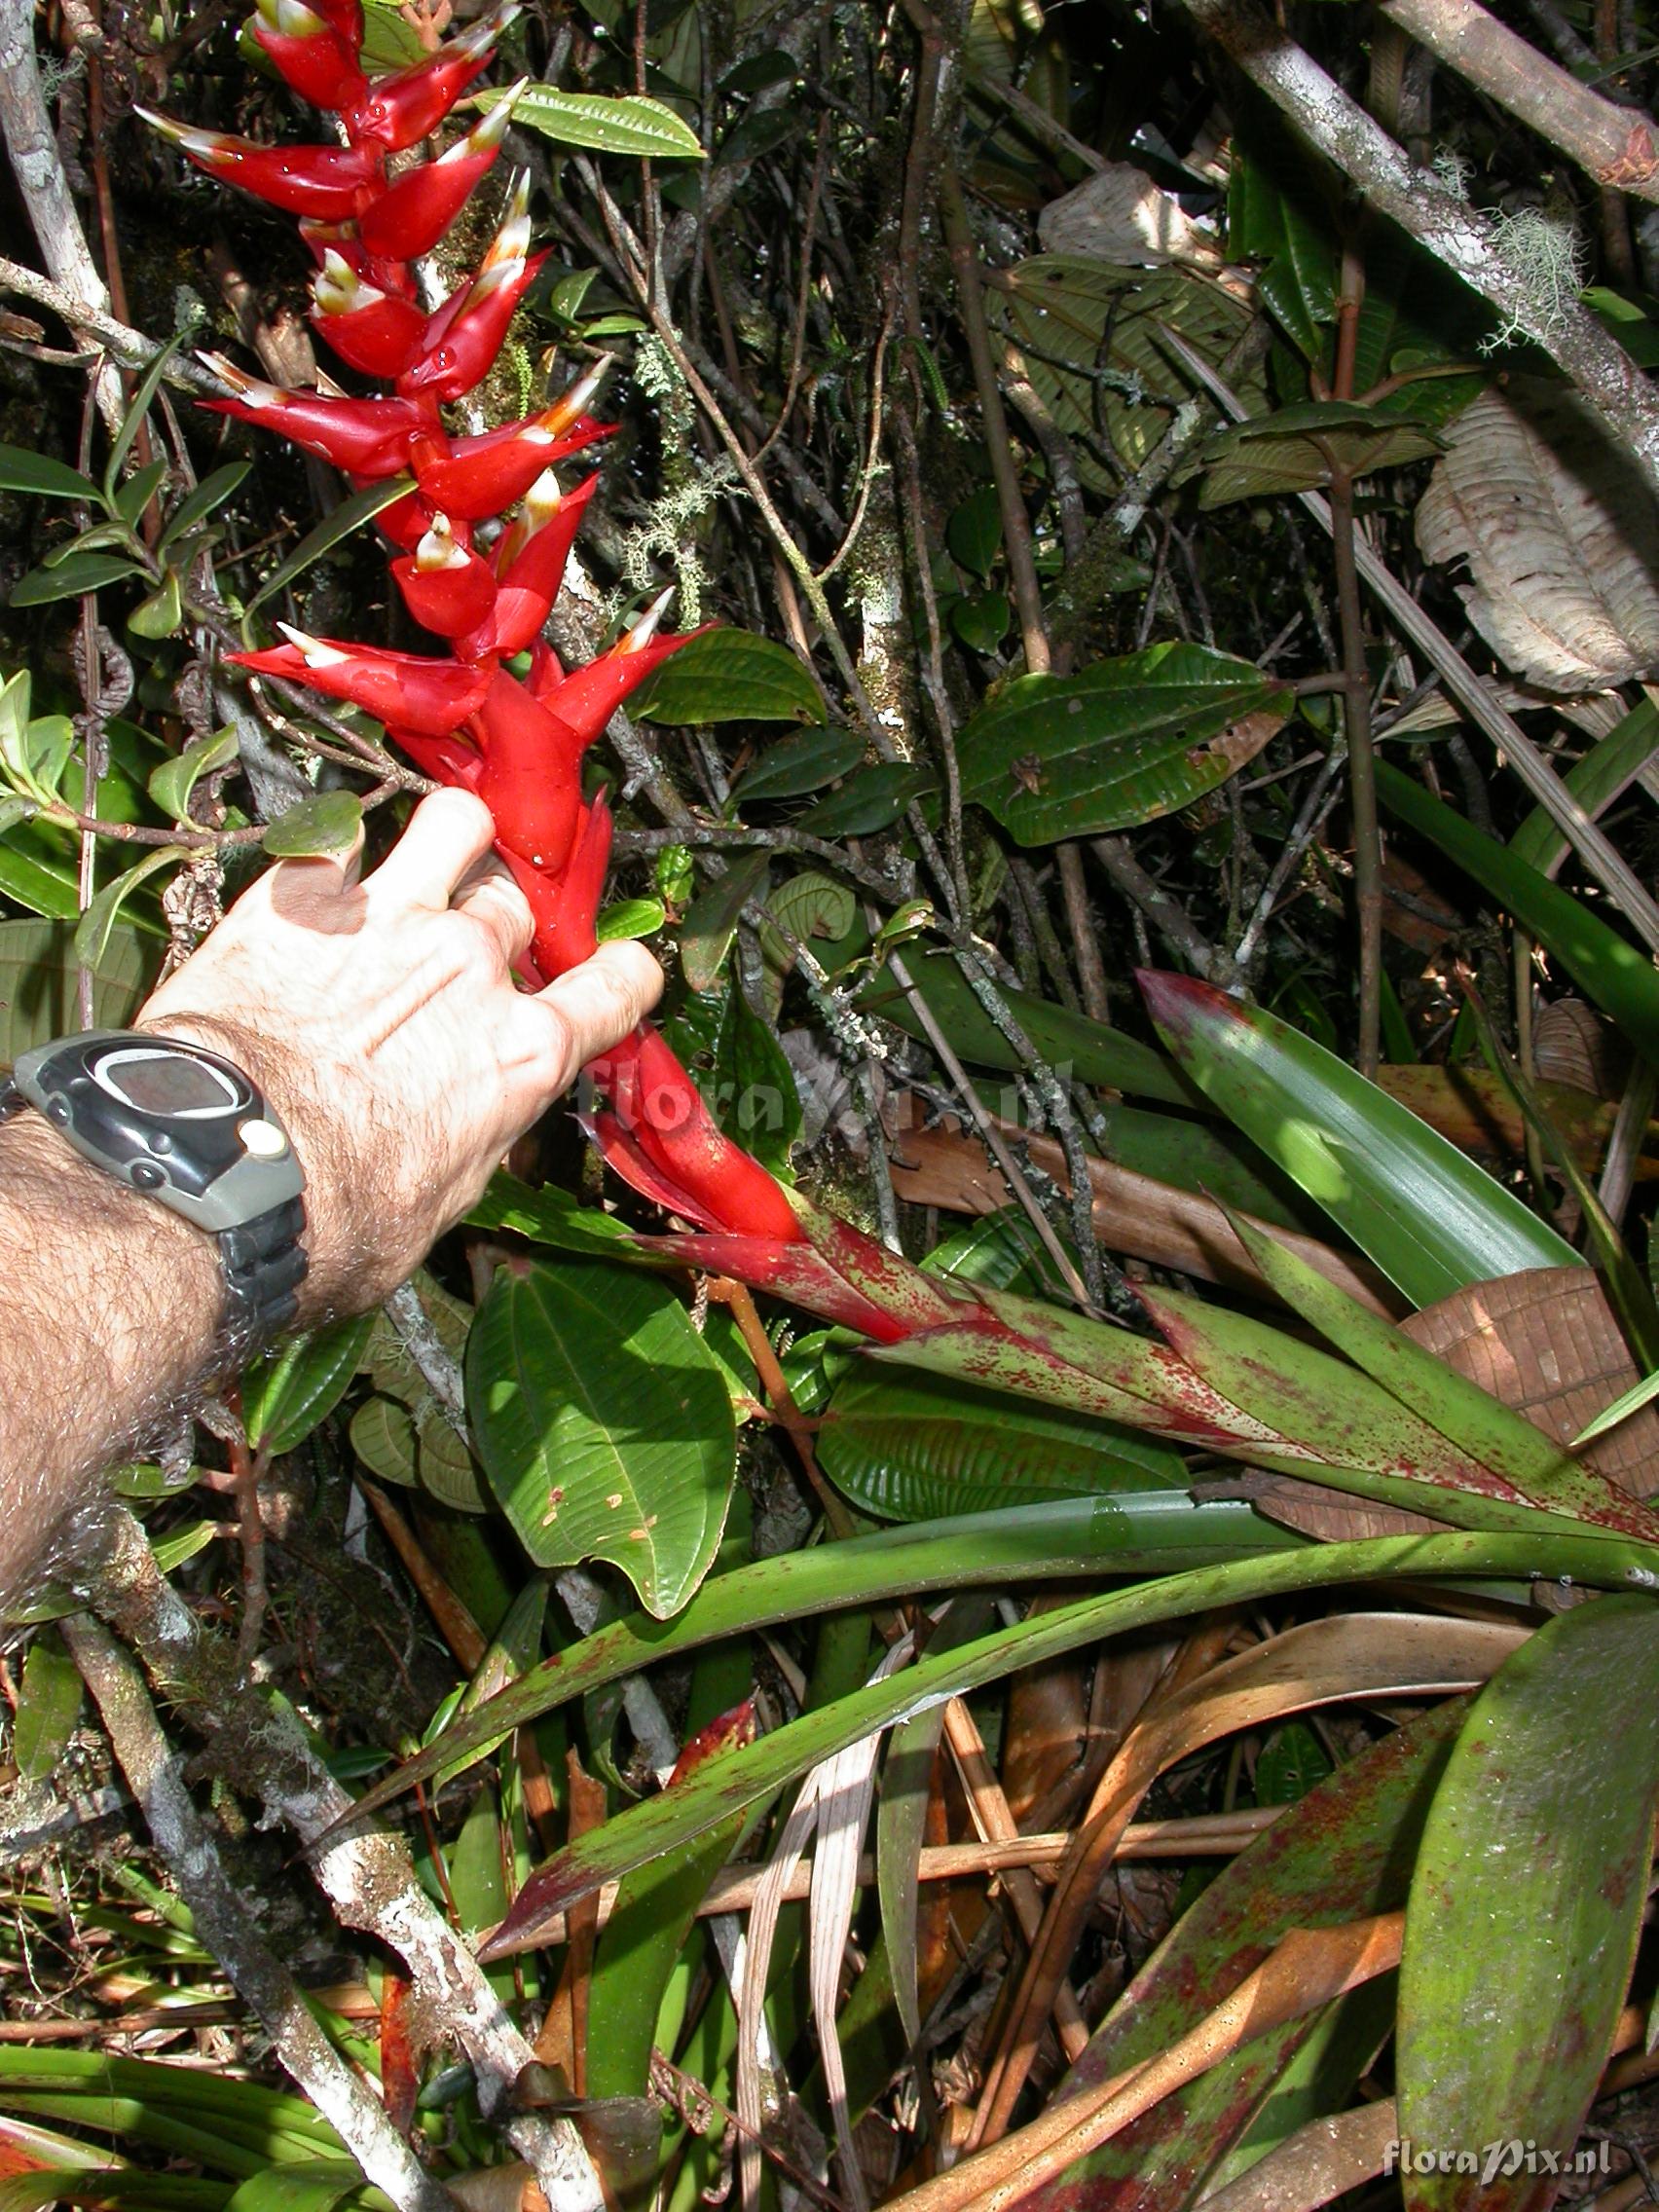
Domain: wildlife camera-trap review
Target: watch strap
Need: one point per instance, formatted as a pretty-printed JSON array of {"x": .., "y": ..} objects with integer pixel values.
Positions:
[{"x": 264, "y": 1264}]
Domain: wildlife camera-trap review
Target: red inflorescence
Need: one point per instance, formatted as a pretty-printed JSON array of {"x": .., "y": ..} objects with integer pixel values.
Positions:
[{"x": 464, "y": 719}]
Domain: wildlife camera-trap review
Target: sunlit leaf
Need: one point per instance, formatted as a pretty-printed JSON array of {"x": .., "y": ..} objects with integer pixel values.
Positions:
[
  {"x": 1422, "y": 1210},
  {"x": 285, "y": 1396},
  {"x": 609, "y": 123}
]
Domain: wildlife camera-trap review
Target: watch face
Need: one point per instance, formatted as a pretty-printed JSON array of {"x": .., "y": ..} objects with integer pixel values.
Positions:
[{"x": 162, "y": 1081}]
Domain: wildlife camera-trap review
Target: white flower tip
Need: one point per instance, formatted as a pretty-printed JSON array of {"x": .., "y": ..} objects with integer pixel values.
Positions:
[
  {"x": 315, "y": 653},
  {"x": 646, "y": 628}
]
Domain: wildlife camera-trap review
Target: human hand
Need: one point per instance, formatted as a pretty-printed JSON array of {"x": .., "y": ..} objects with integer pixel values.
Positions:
[{"x": 381, "y": 1020}]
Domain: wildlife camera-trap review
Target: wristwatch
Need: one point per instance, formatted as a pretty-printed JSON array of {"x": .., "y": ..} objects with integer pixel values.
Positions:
[{"x": 187, "y": 1128}]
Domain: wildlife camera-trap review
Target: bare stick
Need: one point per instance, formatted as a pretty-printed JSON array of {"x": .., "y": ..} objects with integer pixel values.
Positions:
[
  {"x": 226, "y": 1923},
  {"x": 1611, "y": 143},
  {"x": 31, "y": 144}
]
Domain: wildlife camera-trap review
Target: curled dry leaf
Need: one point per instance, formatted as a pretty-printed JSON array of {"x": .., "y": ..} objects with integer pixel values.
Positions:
[
  {"x": 1119, "y": 215},
  {"x": 1560, "y": 535}
]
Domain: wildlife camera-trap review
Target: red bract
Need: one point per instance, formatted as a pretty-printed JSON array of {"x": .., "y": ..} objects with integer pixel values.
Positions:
[
  {"x": 312, "y": 56},
  {"x": 566, "y": 907},
  {"x": 588, "y": 697},
  {"x": 479, "y": 476},
  {"x": 398, "y": 111},
  {"x": 375, "y": 331},
  {"x": 330, "y": 181},
  {"x": 531, "y": 780},
  {"x": 371, "y": 437},
  {"x": 661, "y": 1137},
  {"x": 431, "y": 697},
  {"x": 462, "y": 338},
  {"x": 530, "y": 562},
  {"x": 447, "y": 588},
  {"x": 417, "y": 209}
]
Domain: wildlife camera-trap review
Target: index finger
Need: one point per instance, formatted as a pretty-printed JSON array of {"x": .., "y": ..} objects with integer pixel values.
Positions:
[{"x": 448, "y": 834}]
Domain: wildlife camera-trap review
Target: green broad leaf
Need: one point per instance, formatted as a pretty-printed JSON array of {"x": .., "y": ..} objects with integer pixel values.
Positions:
[
  {"x": 870, "y": 800},
  {"x": 630, "y": 125},
  {"x": 330, "y": 822},
  {"x": 349, "y": 515},
  {"x": 1631, "y": 324},
  {"x": 1412, "y": 1201},
  {"x": 1123, "y": 743},
  {"x": 1091, "y": 338},
  {"x": 92, "y": 931},
  {"x": 212, "y": 491},
  {"x": 668, "y": 1822},
  {"x": 1533, "y": 1465},
  {"x": 796, "y": 766},
  {"x": 48, "y": 1703},
  {"x": 754, "y": 1095},
  {"x": 1572, "y": 1718},
  {"x": 916, "y": 1448},
  {"x": 34, "y": 872},
  {"x": 1609, "y": 968},
  {"x": 604, "y": 1425},
  {"x": 172, "y": 783},
  {"x": 15, "y": 807},
  {"x": 565, "y": 300},
  {"x": 38, "y": 982},
  {"x": 44, "y": 478},
  {"x": 285, "y": 1396},
  {"x": 1151, "y": 1534},
  {"x": 415, "y": 1448},
  {"x": 80, "y": 573},
  {"x": 730, "y": 676},
  {"x": 973, "y": 532},
  {"x": 1290, "y": 1763},
  {"x": 812, "y": 906},
  {"x": 550, "y": 1216},
  {"x": 711, "y": 920},
  {"x": 983, "y": 620},
  {"x": 103, "y": 536},
  {"x": 760, "y": 73},
  {"x": 1272, "y": 220},
  {"x": 140, "y": 488},
  {"x": 630, "y": 919},
  {"x": 1296, "y": 448},
  {"x": 161, "y": 614},
  {"x": 133, "y": 422}
]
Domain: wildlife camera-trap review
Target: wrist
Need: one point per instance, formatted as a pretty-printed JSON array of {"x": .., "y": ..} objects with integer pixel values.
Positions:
[{"x": 326, "y": 1288}]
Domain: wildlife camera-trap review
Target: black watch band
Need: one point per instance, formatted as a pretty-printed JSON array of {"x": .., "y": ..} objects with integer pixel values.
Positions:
[{"x": 187, "y": 1127}]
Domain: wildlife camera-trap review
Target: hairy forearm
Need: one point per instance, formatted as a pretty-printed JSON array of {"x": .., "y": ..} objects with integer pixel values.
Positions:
[{"x": 109, "y": 1306}]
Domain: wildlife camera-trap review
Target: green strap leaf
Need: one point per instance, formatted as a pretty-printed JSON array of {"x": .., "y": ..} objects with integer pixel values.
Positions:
[
  {"x": 42, "y": 477},
  {"x": 1533, "y": 1863},
  {"x": 1620, "y": 978},
  {"x": 1422, "y": 1209},
  {"x": 668, "y": 1822},
  {"x": 285, "y": 1397}
]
